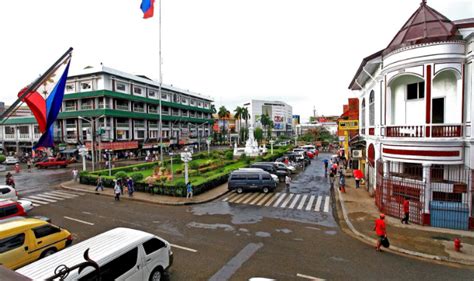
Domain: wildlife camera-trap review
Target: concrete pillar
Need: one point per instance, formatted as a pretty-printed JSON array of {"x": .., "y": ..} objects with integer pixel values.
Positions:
[
  {"x": 426, "y": 194},
  {"x": 386, "y": 168}
]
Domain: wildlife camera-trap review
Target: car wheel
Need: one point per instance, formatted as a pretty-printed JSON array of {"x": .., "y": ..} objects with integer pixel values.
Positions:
[
  {"x": 48, "y": 252},
  {"x": 266, "y": 190},
  {"x": 156, "y": 274},
  {"x": 240, "y": 190}
]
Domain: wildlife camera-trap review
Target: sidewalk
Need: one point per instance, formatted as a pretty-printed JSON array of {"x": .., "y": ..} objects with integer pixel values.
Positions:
[
  {"x": 359, "y": 213},
  {"x": 146, "y": 197}
]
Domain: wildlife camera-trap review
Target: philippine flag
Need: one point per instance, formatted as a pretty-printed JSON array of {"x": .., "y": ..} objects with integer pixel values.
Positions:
[{"x": 147, "y": 8}]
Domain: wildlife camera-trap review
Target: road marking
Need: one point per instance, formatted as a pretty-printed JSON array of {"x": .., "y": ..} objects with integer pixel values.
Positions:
[
  {"x": 183, "y": 248},
  {"x": 318, "y": 204},
  {"x": 292, "y": 205},
  {"x": 230, "y": 197},
  {"x": 283, "y": 205},
  {"x": 309, "y": 277},
  {"x": 265, "y": 198},
  {"x": 41, "y": 198},
  {"x": 303, "y": 200},
  {"x": 243, "y": 197},
  {"x": 250, "y": 198},
  {"x": 280, "y": 198},
  {"x": 87, "y": 213},
  {"x": 35, "y": 205},
  {"x": 257, "y": 199},
  {"x": 235, "y": 198},
  {"x": 326, "y": 205},
  {"x": 62, "y": 194},
  {"x": 49, "y": 196},
  {"x": 68, "y": 192},
  {"x": 78, "y": 220},
  {"x": 275, "y": 196},
  {"x": 310, "y": 203},
  {"x": 35, "y": 201},
  {"x": 226, "y": 272}
]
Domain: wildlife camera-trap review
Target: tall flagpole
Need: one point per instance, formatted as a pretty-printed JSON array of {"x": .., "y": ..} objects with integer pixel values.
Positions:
[{"x": 160, "y": 124}]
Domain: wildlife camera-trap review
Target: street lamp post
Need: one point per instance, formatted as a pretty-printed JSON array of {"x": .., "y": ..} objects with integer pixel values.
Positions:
[
  {"x": 208, "y": 142},
  {"x": 186, "y": 157},
  {"x": 108, "y": 151},
  {"x": 199, "y": 136},
  {"x": 171, "y": 158},
  {"x": 271, "y": 146},
  {"x": 92, "y": 121}
]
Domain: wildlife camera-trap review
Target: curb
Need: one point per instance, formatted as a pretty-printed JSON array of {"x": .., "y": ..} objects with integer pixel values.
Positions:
[
  {"x": 394, "y": 249},
  {"x": 64, "y": 186}
]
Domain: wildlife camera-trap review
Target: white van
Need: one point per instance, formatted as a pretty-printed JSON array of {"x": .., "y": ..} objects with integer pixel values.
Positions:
[{"x": 121, "y": 253}]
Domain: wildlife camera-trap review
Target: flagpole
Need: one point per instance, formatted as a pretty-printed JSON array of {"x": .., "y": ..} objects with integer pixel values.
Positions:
[{"x": 160, "y": 125}]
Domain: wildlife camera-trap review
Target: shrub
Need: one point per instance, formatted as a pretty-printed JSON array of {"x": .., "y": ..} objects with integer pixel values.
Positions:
[
  {"x": 136, "y": 177},
  {"x": 194, "y": 165},
  {"x": 120, "y": 175},
  {"x": 243, "y": 157},
  {"x": 2, "y": 158},
  {"x": 229, "y": 155}
]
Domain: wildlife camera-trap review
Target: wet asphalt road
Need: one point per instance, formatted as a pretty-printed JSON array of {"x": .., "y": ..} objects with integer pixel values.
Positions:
[{"x": 236, "y": 241}]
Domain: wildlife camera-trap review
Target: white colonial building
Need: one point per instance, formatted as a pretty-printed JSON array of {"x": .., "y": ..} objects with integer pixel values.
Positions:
[
  {"x": 416, "y": 108},
  {"x": 279, "y": 112}
]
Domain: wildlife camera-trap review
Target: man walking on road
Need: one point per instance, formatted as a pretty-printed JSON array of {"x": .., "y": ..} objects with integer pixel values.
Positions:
[
  {"x": 100, "y": 184},
  {"x": 117, "y": 190},
  {"x": 287, "y": 182},
  {"x": 189, "y": 190},
  {"x": 406, "y": 210},
  {"x": 380, "y": 230},
  {"x": 75, "y": 173}
]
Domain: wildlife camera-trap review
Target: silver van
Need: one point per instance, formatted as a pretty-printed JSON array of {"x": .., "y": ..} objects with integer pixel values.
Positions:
[{"x": 121, "y": 254}]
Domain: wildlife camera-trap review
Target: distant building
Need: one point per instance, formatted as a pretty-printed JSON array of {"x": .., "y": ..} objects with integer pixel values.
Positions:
[{"x": 279, "y": 112}]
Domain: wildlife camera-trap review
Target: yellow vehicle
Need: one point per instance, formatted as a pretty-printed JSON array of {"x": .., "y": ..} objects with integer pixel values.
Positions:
[{"x": 26, "y": 240}]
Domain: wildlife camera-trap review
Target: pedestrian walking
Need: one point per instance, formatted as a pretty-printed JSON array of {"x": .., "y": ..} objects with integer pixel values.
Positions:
[
  {"x": 287, "y": 182},
  {"x": 406, "y": 210},
  {"x": 117, "y": 190},
  {"x": 123, "y": 185},
  {"x": 342, "y": 184},
  {"x": 380, "y": 230},
  {"x": 75, "y": 174},
  {"x": 130, "y": 187},
  {"x": 17, "y": 168},
  {"x": 326, "y": 164},
  {"x": 100, "y": 184},
  {"x": 189, "y": 190},
  {"x": 9, "y": 180},
  {"x": 331, "y": 178},
  {"x": 28, "y": 164}
]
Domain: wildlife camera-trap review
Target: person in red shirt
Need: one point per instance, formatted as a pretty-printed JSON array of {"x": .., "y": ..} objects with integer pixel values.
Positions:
[
  {"x": 406, "y": 210},
  {"x": 380, "y": 230}
]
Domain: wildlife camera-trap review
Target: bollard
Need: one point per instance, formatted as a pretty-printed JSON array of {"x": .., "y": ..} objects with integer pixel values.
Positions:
[{"x": 457, "y": 245}]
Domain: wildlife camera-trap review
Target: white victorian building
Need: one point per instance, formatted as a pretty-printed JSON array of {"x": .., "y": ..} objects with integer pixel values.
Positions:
[{"x": 416, "y": 108}]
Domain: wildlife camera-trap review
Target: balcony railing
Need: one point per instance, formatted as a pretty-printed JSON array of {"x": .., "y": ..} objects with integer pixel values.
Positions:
[
  {"x": 122, "y": 107},
  {"x": 9, "y": 136},
  {"x": 422, "y": 131},
  {"x": 123, "y": 125},
  {"x": 25, "y": 136},
  {"x": 70, "y": 108},
  {"x": 138, "y": 109},
  {"x": 87, "y": 106}
]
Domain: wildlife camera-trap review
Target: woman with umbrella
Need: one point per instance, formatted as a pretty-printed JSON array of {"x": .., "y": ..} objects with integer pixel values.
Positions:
[{"x": 357, "y": 176}]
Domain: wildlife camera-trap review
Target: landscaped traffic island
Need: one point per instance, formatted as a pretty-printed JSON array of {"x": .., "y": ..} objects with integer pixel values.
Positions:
[{"x": 205, "y": 172}]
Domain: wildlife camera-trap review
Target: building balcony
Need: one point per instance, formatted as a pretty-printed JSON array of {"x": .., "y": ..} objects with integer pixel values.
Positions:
[
  {"x": 70, "y": 108},
  {"x": 87, "y": 106},
  {"x": 24, "y": 137},
  {"x": 123, "y": 125},
  {"x": 9, "y": 136},
  {"x": 36, "y": 136},
  {"x": 424, "y": 131},
  {"x": 122, "y": 107},
  {"x": 139, "y": 109}
]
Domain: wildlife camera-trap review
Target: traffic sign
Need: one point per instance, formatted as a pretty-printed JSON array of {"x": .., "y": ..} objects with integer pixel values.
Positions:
[{"x": 349, "y": 125}]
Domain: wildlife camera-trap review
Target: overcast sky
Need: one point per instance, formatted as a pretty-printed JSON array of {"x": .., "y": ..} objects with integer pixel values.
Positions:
[{"x": 303, "y": 52}]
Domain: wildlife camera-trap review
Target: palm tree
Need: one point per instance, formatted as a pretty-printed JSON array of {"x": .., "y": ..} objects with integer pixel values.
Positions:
[
  {"x": 238, "y": 117},
  {"x": 245, "y": 115},
  {"x": 223, "y": 114},
  {"x": 213, "y": 109},
  {"x": 267, "y": 123}
]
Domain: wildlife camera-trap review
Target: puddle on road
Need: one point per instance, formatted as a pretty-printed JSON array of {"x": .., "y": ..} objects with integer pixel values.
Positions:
[
  {"x": 284, "y": 230},
  {"x": 240, "y": 214},
  {"x": 215, "y": 226},
  {"x": 330, "y": 232},
  {"x": 262, "y": 234},
  {"x": 243, "y": 229}
]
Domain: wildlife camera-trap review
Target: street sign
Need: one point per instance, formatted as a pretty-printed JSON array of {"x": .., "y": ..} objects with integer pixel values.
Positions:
[
  {"x": 186, "y": 156},
  {"x": 349, "y": 125}
]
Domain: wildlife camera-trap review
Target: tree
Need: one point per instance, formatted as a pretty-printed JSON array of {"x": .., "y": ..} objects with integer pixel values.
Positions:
[
  {"x": 267, "y": 123},
  {"x": 223, "y": 115},
  {"x": 246, "y": 116},
  {"x": 213, "y": 109},
  {"x": 238, "y": 117},
  {"x": 258, "y": 135}
]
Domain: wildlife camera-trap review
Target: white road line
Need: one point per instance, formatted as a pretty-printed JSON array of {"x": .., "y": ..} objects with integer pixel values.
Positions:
[
  {"x": 268, "y": 195},
  {"x": 283, "y": 205},
  {"x": 300, "y": 206},
  {"x": 293, "y": 204},
  {"x": 63, "y": 195},
  {"x": 310, "y": 203},
  {"x": 250, "y": 198},
  {"x": 270, "y": 201},
  {"x": 183, "y": 248},
  {"x": 235, "y": 198},
  {"x": 279, "y": 199},
  {"x": 326, "y": 205},
  {"x": 230, "y": 196},
  {"x": 68, "y": 192},
  {"x": 36, "y": 205},
  {"x": 41, "y": 198},
  {"x": 78, "y": 220},
  {"x": 258, "y": 198},
  {"x": 35, "y": 201},
  {"x": 318, "y": 204},
  {"x": 243, "y": 197},
  {"x": 49, "y": 196},
  {"x": 309, "y": 277}
]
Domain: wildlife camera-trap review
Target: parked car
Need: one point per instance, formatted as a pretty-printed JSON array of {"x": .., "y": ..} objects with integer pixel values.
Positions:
[
  {"x": 27, "y": 205},
  {"x": 10, "y": 209},
  {"x": 282, "y": 165},
  {"x": 121, "y": 253},
  {"x": 11, "y": 160},
  {"x": 271, "y": 169},
  {"x": 278, "y": 167},
  {"x": 241, "y": 181},
  {"x": 25, "y": 240},
  {"x": 274, "y": 177},
  {"x": 51, "y": 162},
  {"x": 8, "y": 192}
]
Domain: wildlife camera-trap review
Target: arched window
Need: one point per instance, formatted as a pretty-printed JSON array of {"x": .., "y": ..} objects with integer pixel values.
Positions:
[
  {"x": 362, "y": 116},
  {"x": 372, "y": 108}
]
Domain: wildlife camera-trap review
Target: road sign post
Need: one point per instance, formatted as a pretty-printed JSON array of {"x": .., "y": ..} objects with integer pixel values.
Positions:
[
  {"x": 186, "y": 157},
  {"x": 208, "y": 142}
]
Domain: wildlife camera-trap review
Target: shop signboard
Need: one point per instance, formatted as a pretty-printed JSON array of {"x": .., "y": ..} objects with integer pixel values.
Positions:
[
  {"x": 348, "y": 124},
  {"x": 114, "y": 145}
]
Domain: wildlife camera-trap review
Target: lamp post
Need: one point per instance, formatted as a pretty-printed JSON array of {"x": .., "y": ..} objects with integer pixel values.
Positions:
[
  {"x": 197, "y": 131},
  {"x": 108, "y": 151},
  {"x": 208, "y": 142},
  {"x": 92, "y": 121},
  {"x": 171, "y": 158},
  {"x": 186, "y": 157},
  {"x": 271, "y": 146}
]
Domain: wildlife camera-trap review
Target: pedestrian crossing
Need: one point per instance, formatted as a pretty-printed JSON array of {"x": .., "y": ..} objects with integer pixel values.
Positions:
[
  {"x": 46, "y": 198},
  {"x": 282, "y": 200}
]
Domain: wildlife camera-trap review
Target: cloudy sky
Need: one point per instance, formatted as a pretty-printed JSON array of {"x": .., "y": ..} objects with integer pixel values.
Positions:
[{"x": 303, "y": 52}]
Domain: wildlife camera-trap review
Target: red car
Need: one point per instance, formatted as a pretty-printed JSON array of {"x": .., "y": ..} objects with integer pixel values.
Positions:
[
  {"x": 310, "y": 154},
  {"x": 51, "y": 162},
  {"x": 10, "y": 209}
]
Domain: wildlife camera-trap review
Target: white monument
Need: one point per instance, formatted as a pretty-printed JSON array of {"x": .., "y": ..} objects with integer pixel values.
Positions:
[{"x": 251, "y": 147}]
